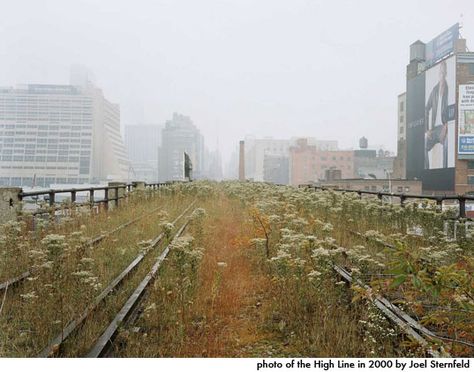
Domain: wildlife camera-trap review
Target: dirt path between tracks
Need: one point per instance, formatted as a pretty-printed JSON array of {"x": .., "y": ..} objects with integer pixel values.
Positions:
[{"x": 231, "y": 300}]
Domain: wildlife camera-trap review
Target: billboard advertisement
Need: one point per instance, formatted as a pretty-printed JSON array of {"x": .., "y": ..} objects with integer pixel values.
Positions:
[
  {"x": 439, "y": 122},
  {"x": 466, "y": 120},
  {"x": 442, "y": 45}
]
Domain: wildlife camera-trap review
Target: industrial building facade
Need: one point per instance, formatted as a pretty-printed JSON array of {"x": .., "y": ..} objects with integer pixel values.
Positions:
[
  {"x": 59, "y": 134},
  {"x": 440, "y": 114}
]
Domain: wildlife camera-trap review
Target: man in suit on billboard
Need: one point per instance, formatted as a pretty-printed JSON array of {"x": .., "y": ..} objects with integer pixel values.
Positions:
[{"x": 436, "y": 127}]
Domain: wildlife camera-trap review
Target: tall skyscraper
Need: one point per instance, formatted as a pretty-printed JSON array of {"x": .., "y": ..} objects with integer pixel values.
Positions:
[
  {"x": 142, "y": 143},
  {"x": 59, "y": 134},
  {"x": 178, "y": 136}
]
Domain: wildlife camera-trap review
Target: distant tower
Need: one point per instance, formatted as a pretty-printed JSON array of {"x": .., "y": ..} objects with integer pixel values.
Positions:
[
  {"x": 241, "y": 161},
  {"x": 363, "y": 143}
]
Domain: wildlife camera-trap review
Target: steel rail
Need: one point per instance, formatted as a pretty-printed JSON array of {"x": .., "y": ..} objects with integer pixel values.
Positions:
[
  {"x": 104, "y": 343},
  {"x": 372, "y": 239},
  {"x": 406, "y": 323},
  {"x": 14, "y": 281},
  {"x": 54, "y": 346}
]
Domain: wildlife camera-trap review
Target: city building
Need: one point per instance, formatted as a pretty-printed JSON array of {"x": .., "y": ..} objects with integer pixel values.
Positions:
[
  {"x": 213, "y": 164},
  {"x": 308, "y": 163},
  {"x": 320, "y": 145},
  {"x": 59, "y": 134},
  {"x": 241, "y": 161},
  {"x": 178, "y": 136},
  {"x": 332, "y": 174},
  {"x": 142, "y": 143},
  {"x": 440, "y": 114},
  {"x": 399, "y": 164},
  {"x": 370, "y": 163},
  {"x": 255, "y": 151},
  {"x": 276, "y": 169},
  {"x": 276, "y": 151}
]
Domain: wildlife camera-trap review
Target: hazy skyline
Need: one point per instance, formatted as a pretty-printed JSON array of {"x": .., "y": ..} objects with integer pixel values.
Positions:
[{"x": 269, "y": 68}]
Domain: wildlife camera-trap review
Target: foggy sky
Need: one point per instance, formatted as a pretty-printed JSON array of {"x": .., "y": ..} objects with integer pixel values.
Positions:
[{"x": 280, "y": 68}]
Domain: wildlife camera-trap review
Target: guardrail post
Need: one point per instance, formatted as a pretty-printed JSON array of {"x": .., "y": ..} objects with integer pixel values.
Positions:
[
  {"x": 439, "y": 203},
  {"x": 51, "y": 198},
  {"x": 9, "y": 203},
  {"x": 52, "y": 202},
  {"x": 118, "y": 193},
  {"x": 106, "y": 199},
  {"x": 91, "y": 198},
  {"x": 72, "y": 206},
  {"x": 139, "y": 185},
  {"x": 462, "y": 207}
]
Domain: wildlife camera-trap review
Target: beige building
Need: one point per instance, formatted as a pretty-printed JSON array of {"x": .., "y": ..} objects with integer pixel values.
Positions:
[
  {"x": 59, "y": 134},
  {"x": 256, "y": 149},
  {"x": 308, "y": 163}
]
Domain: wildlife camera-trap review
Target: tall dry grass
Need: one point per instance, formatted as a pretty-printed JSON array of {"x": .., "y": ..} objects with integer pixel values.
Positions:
[{"x": 67, "y": 273}]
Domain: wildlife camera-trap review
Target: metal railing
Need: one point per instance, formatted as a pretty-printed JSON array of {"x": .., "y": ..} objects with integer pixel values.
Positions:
[
  {"x": 439, "y": 199},
  {"x": 112, "y": 193}
]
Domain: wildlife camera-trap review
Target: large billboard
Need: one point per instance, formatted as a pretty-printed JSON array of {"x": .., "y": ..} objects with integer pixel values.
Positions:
[
  {"x": 466, "y": 120},
  {"x": 431, "y": 126},
  {"x": 440, "y": 100},
  {"x": 442, "y": 45}
]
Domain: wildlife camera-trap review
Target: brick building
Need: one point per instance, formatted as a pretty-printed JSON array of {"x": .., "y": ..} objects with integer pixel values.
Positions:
[{"x": 308, "y": 163}]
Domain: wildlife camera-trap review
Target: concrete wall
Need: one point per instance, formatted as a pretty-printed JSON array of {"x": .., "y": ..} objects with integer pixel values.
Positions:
[{"x": 9, "y": 203}]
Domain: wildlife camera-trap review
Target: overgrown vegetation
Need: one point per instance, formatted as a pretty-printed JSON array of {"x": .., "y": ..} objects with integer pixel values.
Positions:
[
  {"x": 66, "y": 271},
  {"x": 253, "y": 275}
]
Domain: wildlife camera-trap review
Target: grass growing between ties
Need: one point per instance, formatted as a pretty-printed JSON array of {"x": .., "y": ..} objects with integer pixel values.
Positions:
[
  {"x": 253, "y": 276},
  {"x": 67, "y": 273}
]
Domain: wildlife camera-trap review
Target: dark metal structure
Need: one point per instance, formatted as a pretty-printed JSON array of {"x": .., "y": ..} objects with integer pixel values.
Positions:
[{"x": 461, "y": 199}]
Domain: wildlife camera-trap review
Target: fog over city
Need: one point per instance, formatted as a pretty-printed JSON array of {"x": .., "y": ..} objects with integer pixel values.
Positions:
[
  {"x": 237, "y": 185},
  {"x": 330, "y": 70}
]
